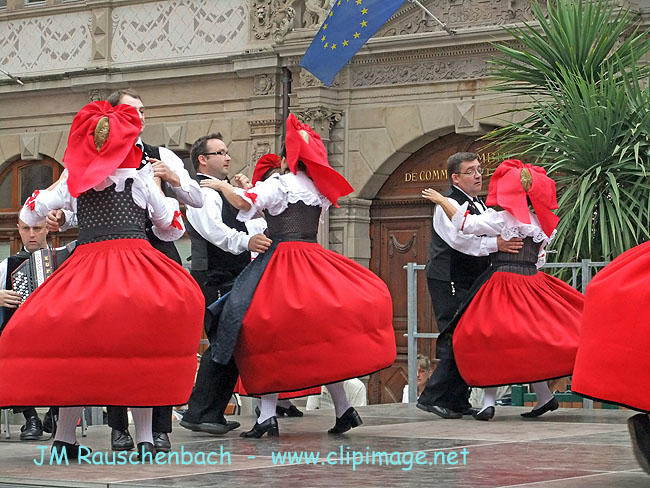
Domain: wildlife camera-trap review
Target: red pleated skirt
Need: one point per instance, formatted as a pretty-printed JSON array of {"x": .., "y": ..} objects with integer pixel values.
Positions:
[
  {"x": 118, "y": 323},
  {"x": 518, "y": 329},
  {"x": 613, "y": 361},
  {"x": 316, "y": 317}
]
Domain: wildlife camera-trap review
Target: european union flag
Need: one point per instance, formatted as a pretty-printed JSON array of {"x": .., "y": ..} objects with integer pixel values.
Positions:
[{"x": 348, "y": 26}]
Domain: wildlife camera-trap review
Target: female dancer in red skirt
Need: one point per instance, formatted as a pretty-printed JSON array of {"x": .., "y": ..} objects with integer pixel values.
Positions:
[
  {"x": 118, "y": 319},
  {"x": 615, "y": 367},
  {"x": 300, "y": 316},
  {"x": 268, "y": 165},
  {"x": 519, "y": 325}
]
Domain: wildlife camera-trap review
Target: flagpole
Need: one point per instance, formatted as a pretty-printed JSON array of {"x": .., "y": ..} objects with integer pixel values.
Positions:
[
  {"x": 12, "y": 77},
  {"x": 444, "y": 26}
]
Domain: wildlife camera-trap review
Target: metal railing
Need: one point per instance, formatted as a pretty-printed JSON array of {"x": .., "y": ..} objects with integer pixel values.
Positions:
[{"x": 584, "y": 266}]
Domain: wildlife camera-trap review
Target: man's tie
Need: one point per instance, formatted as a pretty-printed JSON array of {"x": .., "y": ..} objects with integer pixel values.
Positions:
[{"x": 478, "y": 203}]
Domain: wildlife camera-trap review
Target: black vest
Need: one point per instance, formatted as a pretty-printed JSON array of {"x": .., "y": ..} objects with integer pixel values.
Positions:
[
  {"x": 447, "y": 264},
  {"x": 208, "y": 257},
  {"x": 12, "y": 263},
  {"x": 166, "y": 247}
]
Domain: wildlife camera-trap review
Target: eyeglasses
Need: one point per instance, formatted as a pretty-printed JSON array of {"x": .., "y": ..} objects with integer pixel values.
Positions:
[
  {"x": 473, "y": 172},
  {"x": 216, "y": 153}
]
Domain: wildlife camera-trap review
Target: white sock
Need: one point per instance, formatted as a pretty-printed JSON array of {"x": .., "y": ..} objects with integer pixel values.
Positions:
[
  {"x": 542, "y": 392},
  {"x": 284, "y": 403},
  {"x": 142, "y": 420},
  {"x": 489, "y": 397},
  {"x": 267, "y": 407},
  {"x": 66, "y": 427},
  {"x": 340, "y": 399}
]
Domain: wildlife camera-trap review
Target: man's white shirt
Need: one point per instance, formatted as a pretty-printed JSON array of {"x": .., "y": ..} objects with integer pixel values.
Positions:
[
  {"x": 465, "y": 243},
  {"x": 208, "y": 222}
]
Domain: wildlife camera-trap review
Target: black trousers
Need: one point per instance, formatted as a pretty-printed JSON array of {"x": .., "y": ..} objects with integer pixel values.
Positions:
[
  {"x": 161, "y": 419},
  {"x": 214, "y": 382},
  {"x": 446, "y": 387}
]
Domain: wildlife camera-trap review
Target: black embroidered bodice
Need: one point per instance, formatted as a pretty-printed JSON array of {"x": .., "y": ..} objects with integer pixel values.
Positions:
[
  {"x": 109, "y": 214},
  {"x": 521, "y": 263},
  {"x": 299, "y": 222}
]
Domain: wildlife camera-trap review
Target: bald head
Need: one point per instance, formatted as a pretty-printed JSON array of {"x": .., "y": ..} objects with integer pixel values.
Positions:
[{"x": 33, "y": 237}]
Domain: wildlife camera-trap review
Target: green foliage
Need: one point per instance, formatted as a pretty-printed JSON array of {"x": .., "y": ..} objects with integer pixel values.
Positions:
[{"x": 587, "y": 122}]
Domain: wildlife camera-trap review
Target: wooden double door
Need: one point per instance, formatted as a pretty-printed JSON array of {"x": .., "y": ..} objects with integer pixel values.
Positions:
[{"x": 400, "y": 233}]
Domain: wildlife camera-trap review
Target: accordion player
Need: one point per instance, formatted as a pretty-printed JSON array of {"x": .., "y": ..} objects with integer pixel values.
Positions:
[{"x": 41, "y": 264}]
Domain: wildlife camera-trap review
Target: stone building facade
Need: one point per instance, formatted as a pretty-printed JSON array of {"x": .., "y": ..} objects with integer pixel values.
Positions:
[{"x": 412, "y": 96}]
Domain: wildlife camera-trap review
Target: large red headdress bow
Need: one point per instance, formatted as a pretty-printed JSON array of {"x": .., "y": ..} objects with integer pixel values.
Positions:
[
  {"x": 509, "y": 189},
  {"x": 102, "y": 139},
  {"x": 305, "y": 145},
  {"x": 264, "y": 164}
]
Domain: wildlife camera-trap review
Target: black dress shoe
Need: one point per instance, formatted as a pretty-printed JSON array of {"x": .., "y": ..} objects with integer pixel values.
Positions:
[
  {"x": 346, "y": 422},
  {"x": 49, "y": 421},
  {"x": 32, "y": 430},
  {"x": 232, "y": 424},
  {"x": 71, "y": 450},
  {"x": 639, "y": 426},
  {"x": 269, "y": 426},
  {"x": 292, "y": 411},
  {"x": 485, "y": 414},
  {"x": 549, "y": 406},
  {"x": 213, "y": 428},
  {"x": 121, "y": 440},
  {"x": 145, "y": 448},
  {"x": 161, "y": 442},
  {"x": 444, "y": 412},
  {"x": 470, "y": 411}
]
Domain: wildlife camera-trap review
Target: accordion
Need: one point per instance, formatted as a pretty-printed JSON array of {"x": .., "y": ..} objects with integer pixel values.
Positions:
[{"x": 41, "y": 264}]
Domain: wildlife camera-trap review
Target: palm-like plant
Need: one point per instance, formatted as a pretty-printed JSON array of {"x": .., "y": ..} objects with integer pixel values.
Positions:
[{"x": 587, "y": 122}]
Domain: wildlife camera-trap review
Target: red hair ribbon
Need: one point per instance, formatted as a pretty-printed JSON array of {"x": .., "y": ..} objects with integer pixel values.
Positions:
[{"x": 31, "y": 201}]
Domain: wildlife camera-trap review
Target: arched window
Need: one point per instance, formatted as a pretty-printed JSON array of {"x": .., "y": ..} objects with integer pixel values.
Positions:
[
  {"x": 17, "y": 182},
  {"x": 21, "y": 178}
]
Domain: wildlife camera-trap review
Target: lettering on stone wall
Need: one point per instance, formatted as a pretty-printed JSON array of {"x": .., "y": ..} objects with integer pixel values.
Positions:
[
  {"x": 426, "y": 175},
  {"x": 488, "y": 160}
]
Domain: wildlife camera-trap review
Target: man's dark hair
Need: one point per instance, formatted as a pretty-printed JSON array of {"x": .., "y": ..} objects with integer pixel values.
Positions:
[
  {"x": 114, "y": 98},
  {"x": 455, "y": 160},
  {"x": 200, "y": 147},
  {"x": 283, "y": 154}
]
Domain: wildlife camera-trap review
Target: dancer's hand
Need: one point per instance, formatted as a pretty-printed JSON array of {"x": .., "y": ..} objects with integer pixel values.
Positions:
[
  {"x": 213, "y": 183},
  {"x": 432, "y": 195},
  {"x": 54, "y": 220},
  {"x": 512, "y": 246},
  {"x": 162, "y": 171},
  {"x": 259, "y": 243},
  {"x": 242, "y": 181}
]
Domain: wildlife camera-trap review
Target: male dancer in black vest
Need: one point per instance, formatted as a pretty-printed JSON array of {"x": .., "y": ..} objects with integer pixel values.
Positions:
[
  {"x": 220, "y": 251},
  {"x": 177, "y": 183},
  {"x": 455, "y": 261},
  {"x": 33, "y": 239}
]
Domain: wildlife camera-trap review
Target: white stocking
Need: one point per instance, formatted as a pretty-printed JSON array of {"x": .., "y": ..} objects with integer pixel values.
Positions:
[
  {"x": 267, "y": 407},
  {"x": 340, "y": 399},
  {"x": 489, "y": 397},
  {"x": 142, "y": 420},
  {"x": 67, "y": 424},
  {"x": 542, "y": 392}
]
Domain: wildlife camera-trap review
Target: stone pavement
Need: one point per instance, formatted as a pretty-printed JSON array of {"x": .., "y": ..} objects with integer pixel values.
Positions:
[{"x": 568, "y": 448}]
